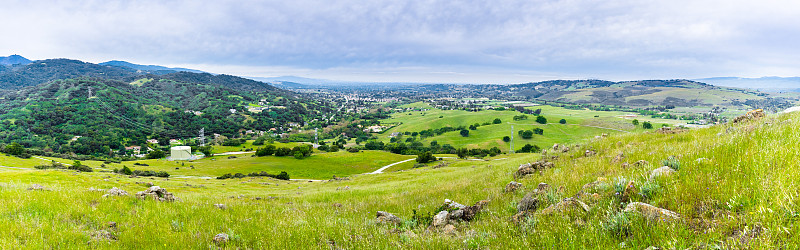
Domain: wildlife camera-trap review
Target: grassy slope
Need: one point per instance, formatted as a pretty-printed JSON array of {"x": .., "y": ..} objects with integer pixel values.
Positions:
[
  {"x": 491, "y": 135},
  {"x": 748, "y": 177},
  {"x": 317, "y": 166}
]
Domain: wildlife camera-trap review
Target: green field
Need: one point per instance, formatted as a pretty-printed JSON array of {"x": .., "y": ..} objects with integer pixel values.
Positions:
[
  {"x": 581, "y": 126},
  {"x": 318, "y": 166}
]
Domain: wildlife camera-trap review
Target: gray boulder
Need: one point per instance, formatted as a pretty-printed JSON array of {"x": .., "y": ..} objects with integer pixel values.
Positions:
[
  {"x": 115, "y": 192},
  {"x": 387, "y": 218},
  {"x": 156, "y": 193},
  {"x": 441, "y": 219},
  {"x": 651, "y": 212},
  {"x": 662, "y": 171}
]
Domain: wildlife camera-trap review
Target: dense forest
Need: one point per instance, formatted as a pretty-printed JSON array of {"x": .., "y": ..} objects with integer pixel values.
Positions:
[{"x": 61, "y": 117}]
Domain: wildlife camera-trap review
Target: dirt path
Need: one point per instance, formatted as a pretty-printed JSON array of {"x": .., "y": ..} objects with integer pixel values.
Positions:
[{"x": 380, "y": 170}]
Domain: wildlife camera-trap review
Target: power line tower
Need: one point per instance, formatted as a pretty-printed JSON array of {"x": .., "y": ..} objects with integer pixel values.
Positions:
[
  {"x": 511, "y": 146},
  {"x": 90, "y": 92},
  {"x": 203, "y": 137},
  {"x": 316, "y": 137}
]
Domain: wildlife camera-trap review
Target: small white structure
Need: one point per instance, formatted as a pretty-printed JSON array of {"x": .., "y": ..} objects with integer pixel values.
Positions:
[{"x": 180, "y": 153}]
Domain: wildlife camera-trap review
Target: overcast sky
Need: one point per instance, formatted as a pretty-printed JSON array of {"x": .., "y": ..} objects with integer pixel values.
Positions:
[{"x": 422, "y": 40}]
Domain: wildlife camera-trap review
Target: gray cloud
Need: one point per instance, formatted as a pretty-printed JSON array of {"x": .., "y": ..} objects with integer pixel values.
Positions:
[{"x": 405, "y": 40}]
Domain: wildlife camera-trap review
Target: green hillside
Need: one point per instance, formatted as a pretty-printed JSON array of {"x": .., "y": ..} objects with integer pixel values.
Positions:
[{"x": 580, "y": 126}]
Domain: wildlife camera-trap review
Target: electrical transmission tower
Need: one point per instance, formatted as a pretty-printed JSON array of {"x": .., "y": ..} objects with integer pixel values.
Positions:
[
  {"x": 90, "y": 92},
  {"x": 511, "y": 146},
  {"x": 203, "y": 137}
]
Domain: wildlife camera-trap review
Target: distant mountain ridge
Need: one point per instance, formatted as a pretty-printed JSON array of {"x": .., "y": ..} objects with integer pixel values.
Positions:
[
  {"x": 151, "y": 69},
  {"x": 14, "y": 59},
  {"x": 770, "y": 83},
  {"x": 38, "y": 72}
]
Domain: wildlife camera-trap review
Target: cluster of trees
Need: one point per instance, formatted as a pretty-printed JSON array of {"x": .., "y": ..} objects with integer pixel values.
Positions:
[
  {"x": 528, "y": 148},
  {"x": 528, "y": 134},
  {"x": 426, "y": 157},
  {"x": 463, "y": 130},
  {"x": 477, "y": 152},
  {"x": 127, "y": 171},
  {"x": 282, "y": 176},
  {"x": 75, "y": 166},
  {"x": 299, "y": 152}
]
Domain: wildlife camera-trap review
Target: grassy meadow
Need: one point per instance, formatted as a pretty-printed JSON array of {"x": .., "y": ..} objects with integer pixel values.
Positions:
[
  {"x": 581, "y": 125},
  {"x": 320, "y": 165}
]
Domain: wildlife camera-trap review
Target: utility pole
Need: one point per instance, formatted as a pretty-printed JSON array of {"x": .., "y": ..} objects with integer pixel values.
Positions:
[
  {"x": 511, "y": 147},
  {"x": 202, "y": 137}
]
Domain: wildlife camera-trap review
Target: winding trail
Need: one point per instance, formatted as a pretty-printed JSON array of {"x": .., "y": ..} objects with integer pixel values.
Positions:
[{"x": 380, "y": 170}]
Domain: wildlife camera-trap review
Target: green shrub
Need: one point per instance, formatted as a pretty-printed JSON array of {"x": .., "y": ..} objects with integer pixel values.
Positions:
[
  {"x": 672, "y": 162},
  {"x": 265, "y": 151},
  {"x": 649, "y": 189},
  {"x": 618, "y": 224},
  {"x": 425, "y": 157},
  {"x": 282, "y": 151},
  {"x": 541, "y": 120}
]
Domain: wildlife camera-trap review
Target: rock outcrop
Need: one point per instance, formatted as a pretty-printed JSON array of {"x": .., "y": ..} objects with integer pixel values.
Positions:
[
  {"x": 221, "y": 238},
  {"x": 512, "y": 186},
  {"x": 156, "y": 193},
  {"x": 651, "y": 212},
  {"x": 751, "y": 115},
  {"x": 387, "y": 218},
  {"x": 530, "y": 168},
  {"x": 567, "y": 206},
  {"x": 662, "y": 171},
  {"x": 115, "y": 192}
]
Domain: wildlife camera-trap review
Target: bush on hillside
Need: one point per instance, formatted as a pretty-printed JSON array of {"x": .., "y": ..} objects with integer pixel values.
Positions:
[
  {"x": 540, "y": 119},
  {"x": 425, "y": 157},
  {"x": 156, "y": 154},
  {"x": 672, "y": 162},
  {"x": 528, "y": 148},
  {"x": 265, "y": 151},
  {"x": 282, "y": 151}
]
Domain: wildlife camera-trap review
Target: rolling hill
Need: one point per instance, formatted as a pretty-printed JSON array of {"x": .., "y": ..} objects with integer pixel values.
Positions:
[
  {"x": 14, "y": 59},
  {"x": 149, "y": 69}
]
